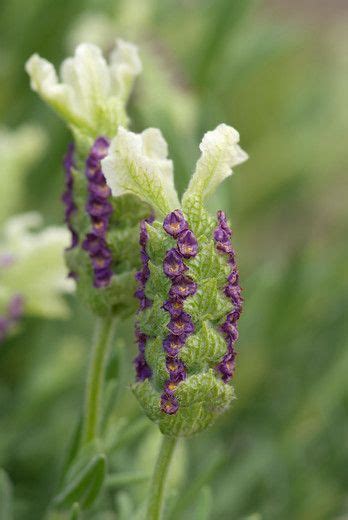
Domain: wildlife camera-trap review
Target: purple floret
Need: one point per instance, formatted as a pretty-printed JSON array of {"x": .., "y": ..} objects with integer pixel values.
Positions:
[
  {"x": 183, "y": 286},
  {"x": 173, "y": 264},
  {"x": 175, "y": 223},
  {"x": 181, "y": 325},
  {"x": 187, "y": 244}
]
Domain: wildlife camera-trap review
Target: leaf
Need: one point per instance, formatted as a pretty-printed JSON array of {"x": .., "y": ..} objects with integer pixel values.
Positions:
[
  {"x": 208, "y": 303},
  {"x": 158, "y": 283},
  {"x": 86, "y": 484},
  {"x": 126, "y": 478}
]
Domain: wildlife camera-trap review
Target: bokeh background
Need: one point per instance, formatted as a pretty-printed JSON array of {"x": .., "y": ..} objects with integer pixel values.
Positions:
[{"x": 278, "y": 72}]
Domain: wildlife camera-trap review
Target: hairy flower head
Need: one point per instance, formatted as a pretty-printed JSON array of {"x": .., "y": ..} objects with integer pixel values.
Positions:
[{"x": 188, "y": 288}]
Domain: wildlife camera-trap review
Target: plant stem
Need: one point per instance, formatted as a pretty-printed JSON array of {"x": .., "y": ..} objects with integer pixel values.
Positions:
[
  {"x": 157, "y": 486},
  {"x": 95, "y": 380}
]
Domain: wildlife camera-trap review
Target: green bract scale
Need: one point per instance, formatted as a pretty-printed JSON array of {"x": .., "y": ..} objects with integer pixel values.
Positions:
[
  {"x": 92, "y": 97},
  {"x": 188, "y": 285}
]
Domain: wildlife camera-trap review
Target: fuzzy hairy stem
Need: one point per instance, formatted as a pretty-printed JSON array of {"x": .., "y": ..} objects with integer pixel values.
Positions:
[
  {"x": 104, "y": 334},
  {"x": 157, "y": 485}
]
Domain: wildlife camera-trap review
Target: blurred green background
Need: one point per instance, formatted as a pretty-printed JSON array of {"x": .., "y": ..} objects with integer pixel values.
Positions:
[{"x": 276, "y": 71}]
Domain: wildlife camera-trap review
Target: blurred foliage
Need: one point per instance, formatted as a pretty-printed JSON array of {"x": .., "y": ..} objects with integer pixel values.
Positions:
[{"x": 282, "y": 451}]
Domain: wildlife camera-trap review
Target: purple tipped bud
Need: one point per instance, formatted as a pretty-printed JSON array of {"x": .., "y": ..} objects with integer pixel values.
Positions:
[
  {"x": 181, "y": 325},
  {"x": 172, "y": 344},
  {"x": 176, "y": 369},
  {"x": 100, "y": 225},
  {"x": 102, "y": 278},
  {"x": 174, "y": 306},
  {"x": 169, "y": 404},
  {"x": 100, "y": 148},
  {"x": 101, "y": 260},
  {"x": 220, "y": 235},
  {"x": 93, "y": 243},
  {"x": 142, "y": 369},
  {"x": 98, "y": 208},
  {"x": 187, "y": 244},
  {"x": 183, "y": 286},
  {"x": 173, "y": 264},
  {"x": 223, "y": 223},
  {"x": 99, "y": 190},
  {"x": 233, "y": 292},
  {"x": 225, "y": 247},
  {"x": 227, "y": 366},
  {"x": 175, "y": 223},
  {"x": 230, "y": 329}
]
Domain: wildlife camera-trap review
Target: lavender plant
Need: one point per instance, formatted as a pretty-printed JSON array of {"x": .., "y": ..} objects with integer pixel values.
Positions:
[
  {"x": 92, "y": 98},
  {"x": 188, "y": 287}
]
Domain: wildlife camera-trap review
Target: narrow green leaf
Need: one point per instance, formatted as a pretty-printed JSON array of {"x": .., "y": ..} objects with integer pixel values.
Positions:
[{"x": 86, "y": 485}]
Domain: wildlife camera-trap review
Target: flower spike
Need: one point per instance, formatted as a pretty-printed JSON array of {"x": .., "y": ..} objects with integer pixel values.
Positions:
[{"x": 189, "y": 294}]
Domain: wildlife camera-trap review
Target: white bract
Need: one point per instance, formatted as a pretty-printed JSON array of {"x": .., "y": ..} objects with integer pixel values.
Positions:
[
  {"x": 138, "y": 163},
  {"x": 32, "y": 265},
  {"x": 220, "y": 152},
  {"x": 92, "y": 93}
]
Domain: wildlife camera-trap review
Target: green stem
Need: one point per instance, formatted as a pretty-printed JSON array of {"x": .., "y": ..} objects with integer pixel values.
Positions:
[
  {"x": 157, "y": 486},
  {"x": 95, "y": 381}
]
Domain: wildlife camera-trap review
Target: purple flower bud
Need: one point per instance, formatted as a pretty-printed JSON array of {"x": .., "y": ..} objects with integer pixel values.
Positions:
[
  {"x": 101, "y": 260},
  {"x": 172, "y": 344},
  {"x": 100, "y": 225},
  {"x": 187, "y": 244},
  {"x": 96, "y": 207},
  {"x": 173, "y": 264},
  {"x": 233, "y": 292},
  {"x": 225, "y": 247},
  {"x": 223, "y": 223},
  {"x": 174, "y": 306},
  {"x": 230, "y": 329},
  {"x": 220, "y": 235},
  {"x": 183, "y": 286},
  {"x": 175, "y": 223},
  {"x": 93, "y": 243},
  {"x": 102, "y": 278},
  {"x": 233, "y": 277},
  {"x": 227, "y": 366},
  {"x": 100, "y": 190},
  {"x": 181, "y": 325},
  {"x": 170, "y": 387},
  {"x": 169, "y": 404},
  {"x": 142, "y": 276},
  {"x": 176, "y": 369},
  {"x": 100, "y": 148},
  {"x": 142, "y": 369}
]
